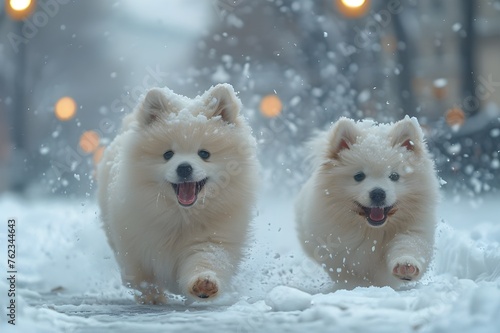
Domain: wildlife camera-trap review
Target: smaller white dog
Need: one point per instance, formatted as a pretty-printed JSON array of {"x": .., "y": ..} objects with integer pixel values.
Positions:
[{"x": 367, "y": 214}]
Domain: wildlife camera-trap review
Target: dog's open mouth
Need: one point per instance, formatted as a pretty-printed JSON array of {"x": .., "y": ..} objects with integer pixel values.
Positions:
[
  {"x": 187, "y": 192},
  {"x": 376, "y": 216}
]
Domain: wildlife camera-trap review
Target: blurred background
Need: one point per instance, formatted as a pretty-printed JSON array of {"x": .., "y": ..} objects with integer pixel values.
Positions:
[{"x": 70, "y": 70}]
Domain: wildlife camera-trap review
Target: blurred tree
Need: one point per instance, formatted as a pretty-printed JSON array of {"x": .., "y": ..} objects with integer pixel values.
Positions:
[
  {"x": 468, "y": 49},
  {"x": 405, "y": 56},
  {"x": 18, "y": 182}
]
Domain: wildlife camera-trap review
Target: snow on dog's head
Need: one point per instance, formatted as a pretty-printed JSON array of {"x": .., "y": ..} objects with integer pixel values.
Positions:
[
  {"x": 380, "y": 173},
  {"x": 191, "y": 152}
]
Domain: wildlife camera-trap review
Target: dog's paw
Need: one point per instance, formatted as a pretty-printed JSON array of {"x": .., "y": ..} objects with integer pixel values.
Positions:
[
  {"x": 406, "y": 269},
  {"x": 204, "y": 287}
]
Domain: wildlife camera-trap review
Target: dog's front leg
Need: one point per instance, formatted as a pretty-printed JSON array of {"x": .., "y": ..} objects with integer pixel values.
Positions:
[
  {"x": 134, "y": 276},
  {"x": 204, "y": 271},
  {"x": 408, "y": 256}
]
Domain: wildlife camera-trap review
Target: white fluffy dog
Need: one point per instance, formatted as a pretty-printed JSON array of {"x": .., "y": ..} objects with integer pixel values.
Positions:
[
  {"x": 367, "y": 214},
  {"x": 176, "y": 189}
]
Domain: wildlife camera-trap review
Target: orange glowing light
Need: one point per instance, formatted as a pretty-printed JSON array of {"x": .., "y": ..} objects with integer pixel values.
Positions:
[
  {"x": 19, "y": 9},
  {"x": 98, "y": 154},
  {"x": 353, "y": 8},
  {"x": 271, "y": 106},
  {"x": 89, "y": 141},
  {"x": 19, "y": 5},
  {"x": 65, "y": 108},
  {"x": 353, "y": 3},
  {"x": 455, "y": 117}
]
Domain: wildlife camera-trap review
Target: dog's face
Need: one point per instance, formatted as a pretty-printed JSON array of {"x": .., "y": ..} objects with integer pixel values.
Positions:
[
  {"x": 375, "y": 172},
  {"x": 189, "y": 151}
]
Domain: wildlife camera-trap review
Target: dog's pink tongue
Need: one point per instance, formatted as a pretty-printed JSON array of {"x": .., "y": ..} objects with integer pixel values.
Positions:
[
  {"x": 376, "y": 214},
  {"x": 186, "y": 193}
]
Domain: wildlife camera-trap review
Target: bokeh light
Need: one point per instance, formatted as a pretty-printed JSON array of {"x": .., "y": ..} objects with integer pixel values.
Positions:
[
  {"x": 65, "y": 108},
  {"x": 19, "y": 9},
  {"x": 353, "y": 8},
  {"x": 19, "y": 5},
  {"x": 89, "y": 141},
  {"x": 455, "y": 117},
  {"x": 271, "y": 106},
  {"x": 353, "y": 3}
]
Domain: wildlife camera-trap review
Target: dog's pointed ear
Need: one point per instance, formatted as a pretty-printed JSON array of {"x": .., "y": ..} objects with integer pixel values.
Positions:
[
  {"x": 154, "y": 105},
  {"x": 342, "y": 136},
  {"x": 407, "y": 133},
  {"x": 221, "y": 101}
]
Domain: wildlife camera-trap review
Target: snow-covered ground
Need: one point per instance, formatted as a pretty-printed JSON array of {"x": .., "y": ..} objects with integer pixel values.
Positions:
[{"x": 68, "y": 281}]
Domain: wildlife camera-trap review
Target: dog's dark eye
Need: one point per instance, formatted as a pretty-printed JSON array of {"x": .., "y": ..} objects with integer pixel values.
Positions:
[
  {"x": 204, "y": 154},
  {"x": 359, "y": 177},
  {"x": 168, "y": 155},
  {"x": 394, "y": 176}
]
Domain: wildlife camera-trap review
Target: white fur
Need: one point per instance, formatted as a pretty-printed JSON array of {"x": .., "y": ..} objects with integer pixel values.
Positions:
[
  {"x": 159, "y": 244},
  {"x": 330, "y": 227}
]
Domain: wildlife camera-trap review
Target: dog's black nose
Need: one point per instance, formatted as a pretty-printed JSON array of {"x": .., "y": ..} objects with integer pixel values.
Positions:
[
  {"x": 184, "y": 170},
  {"x": 377, "y": 196}
]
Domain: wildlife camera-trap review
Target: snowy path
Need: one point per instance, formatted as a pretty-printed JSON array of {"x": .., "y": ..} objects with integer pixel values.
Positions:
[{"x": 68, "y": 280}]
